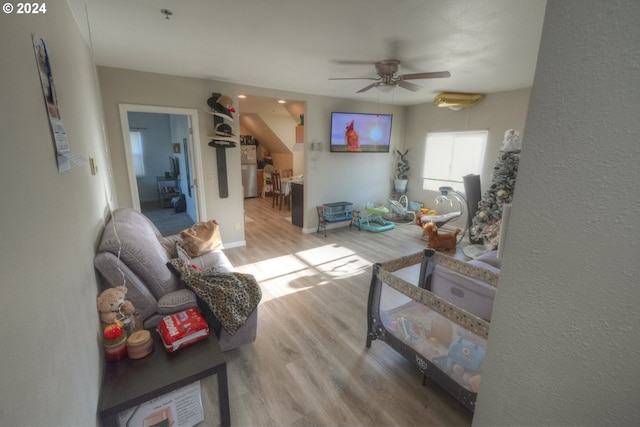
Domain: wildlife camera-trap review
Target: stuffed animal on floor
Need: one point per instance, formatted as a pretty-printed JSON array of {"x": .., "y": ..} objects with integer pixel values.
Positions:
[{"x": 440, "y": 240}]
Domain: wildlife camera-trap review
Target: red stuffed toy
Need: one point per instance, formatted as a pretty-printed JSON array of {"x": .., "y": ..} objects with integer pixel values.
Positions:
[{"x": 440, "y": 241}]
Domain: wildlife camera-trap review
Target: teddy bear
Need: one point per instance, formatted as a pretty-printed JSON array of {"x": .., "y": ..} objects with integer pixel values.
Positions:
[
  {"x": 112, "y": 305},
  {"x": 440, "y": 240}
]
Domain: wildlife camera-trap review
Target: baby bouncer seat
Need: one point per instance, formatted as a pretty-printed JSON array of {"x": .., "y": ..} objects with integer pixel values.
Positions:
[
  {"x": 400, "y": 211},
  {"x": 448, "y": 195}
]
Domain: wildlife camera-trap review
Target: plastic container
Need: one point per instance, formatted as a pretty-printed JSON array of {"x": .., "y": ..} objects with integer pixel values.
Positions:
[
  {"x": 114, "y": 340},
  {"x": 139, "y": 344},
  {"x": 116, "y": 351}
]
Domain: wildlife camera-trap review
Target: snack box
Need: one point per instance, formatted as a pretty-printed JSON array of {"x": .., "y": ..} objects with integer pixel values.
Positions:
[{"x": 181, "y": 329}]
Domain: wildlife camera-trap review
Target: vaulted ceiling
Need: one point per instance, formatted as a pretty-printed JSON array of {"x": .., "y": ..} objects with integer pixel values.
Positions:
[{"x": 298, "y": 45}]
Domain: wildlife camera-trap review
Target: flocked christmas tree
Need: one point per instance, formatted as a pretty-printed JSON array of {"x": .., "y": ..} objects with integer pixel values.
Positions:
[{"x": 486, "y": 223}]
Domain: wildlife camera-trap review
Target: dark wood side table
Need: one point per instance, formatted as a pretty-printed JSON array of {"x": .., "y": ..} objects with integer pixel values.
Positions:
[{"x": 128, "y": 383}]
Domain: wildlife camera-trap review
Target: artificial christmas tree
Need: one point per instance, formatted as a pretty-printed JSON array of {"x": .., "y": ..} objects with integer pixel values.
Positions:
[{"x": 486, "y": 223}]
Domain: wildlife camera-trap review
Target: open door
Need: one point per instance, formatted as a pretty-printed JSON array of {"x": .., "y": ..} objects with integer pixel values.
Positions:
[{"x": 169, "y": 170}]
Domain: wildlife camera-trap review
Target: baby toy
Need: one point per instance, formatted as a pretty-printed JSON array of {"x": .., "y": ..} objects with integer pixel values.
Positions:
[
  {"x": 441, "y": 333},
  {"x": 112, "y": 305},
  {"x": 474, "y": 383},
  {"x": 463, "y": 363},
  {"x": 440, "y": 240},
  {"x": 466, "y": 354}
]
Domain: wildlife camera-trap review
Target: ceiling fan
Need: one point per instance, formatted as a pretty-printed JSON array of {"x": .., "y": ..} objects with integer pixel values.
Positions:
[{"x": 388, "y": 76}]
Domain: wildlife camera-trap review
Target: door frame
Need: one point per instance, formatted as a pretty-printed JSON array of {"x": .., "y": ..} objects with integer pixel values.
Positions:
[{"x": 194, "y": 149}]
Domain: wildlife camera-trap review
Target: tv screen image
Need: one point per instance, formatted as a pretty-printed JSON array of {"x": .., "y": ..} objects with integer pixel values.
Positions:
[{"x": 360, "y": 132}]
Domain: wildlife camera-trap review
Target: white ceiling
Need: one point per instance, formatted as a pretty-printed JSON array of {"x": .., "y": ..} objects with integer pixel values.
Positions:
[{"x": 296, "y": 45}]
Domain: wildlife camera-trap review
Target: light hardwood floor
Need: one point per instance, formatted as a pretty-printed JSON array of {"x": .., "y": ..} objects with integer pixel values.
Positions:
[{"x": 309, "y": 365}]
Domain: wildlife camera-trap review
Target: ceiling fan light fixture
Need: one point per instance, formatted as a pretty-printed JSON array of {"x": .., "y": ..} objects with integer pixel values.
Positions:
[
  {"x": 457, "y": 99},
  {"x": 385, "y": 87}
]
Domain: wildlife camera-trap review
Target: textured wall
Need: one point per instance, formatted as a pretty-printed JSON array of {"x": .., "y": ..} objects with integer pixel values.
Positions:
[
  {"x": 565, "y": 334},
  {"x": 50, "y": 222}
]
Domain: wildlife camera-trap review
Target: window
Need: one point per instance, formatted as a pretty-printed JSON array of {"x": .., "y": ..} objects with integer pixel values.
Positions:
[
  {"x": 451, "y": 155},
  {"x": 137, "y": 153}
]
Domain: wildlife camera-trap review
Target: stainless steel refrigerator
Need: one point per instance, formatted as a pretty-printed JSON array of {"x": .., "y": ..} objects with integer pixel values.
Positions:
[{"x": 249, "y": 167}]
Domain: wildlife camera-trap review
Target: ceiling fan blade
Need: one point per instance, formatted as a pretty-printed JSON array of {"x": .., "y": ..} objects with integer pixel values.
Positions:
[
  {"x": 353, "y": 62},
  {"x": 353, "y": 78},
  {"x": 412, "y": 87},
  {"x": 432, "y": 75},
  {"x": 366, "y": 88}
]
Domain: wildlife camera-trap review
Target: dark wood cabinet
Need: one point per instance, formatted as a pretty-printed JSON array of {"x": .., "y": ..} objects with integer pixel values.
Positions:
[{"x": 297, "y": 204}]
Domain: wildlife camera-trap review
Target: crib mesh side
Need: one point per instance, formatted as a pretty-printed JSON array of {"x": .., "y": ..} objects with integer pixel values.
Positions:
[{"x": 403, "y": 315}]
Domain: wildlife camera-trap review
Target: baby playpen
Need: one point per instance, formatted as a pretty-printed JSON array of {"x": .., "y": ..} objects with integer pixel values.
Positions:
[{"x": 410, "y": 308}]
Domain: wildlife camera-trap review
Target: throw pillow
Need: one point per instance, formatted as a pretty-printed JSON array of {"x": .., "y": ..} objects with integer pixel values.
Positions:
[{"x": 176, "y": 301}]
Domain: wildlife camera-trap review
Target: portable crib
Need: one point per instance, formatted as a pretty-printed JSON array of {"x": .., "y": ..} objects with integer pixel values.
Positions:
[{"x": 409, "y": 310}]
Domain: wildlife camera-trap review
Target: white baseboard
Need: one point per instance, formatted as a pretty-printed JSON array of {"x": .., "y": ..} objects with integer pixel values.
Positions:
[{"x": 236, "y": 244}]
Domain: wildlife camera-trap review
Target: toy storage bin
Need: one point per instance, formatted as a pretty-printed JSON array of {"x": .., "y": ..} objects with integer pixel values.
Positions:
[{"x": 445, "y": 342}]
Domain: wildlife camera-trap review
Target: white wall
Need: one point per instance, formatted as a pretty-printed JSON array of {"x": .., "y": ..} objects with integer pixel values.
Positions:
[
  {"x": 495, "y": 113},
  {"x": 353, "y": 177},
  {"x": 565, "y": 334},
  {"x": 51, "y": 222},
  {"x": 329, "y": 177},
  {"x": 134, "y": 87}
]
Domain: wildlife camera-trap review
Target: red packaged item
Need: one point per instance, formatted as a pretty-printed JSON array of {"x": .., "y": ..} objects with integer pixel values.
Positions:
[{"x": 181, "y": 329}]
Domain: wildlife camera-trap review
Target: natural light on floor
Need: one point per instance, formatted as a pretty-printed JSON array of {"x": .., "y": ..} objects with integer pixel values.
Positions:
[{"x": 304, "y": 270}]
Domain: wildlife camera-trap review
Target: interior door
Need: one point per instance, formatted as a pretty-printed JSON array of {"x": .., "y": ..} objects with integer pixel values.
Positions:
[{"x": 191, "y": 187}]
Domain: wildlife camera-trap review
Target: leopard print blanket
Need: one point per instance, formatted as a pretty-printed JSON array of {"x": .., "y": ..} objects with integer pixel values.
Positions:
[{"x": 232, "y": 297}]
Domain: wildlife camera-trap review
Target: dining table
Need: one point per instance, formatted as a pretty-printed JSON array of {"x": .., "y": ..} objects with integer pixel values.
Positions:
[{"x": 286, "y": 183}]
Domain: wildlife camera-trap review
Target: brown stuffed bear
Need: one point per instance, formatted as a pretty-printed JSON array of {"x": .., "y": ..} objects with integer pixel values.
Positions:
[
  {"x": 440, "y": 241},
  {"x": 111, "y": 305}
]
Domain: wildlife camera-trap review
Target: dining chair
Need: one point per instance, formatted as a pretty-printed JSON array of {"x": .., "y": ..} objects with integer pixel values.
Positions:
[
  {"x": 267, "y": 185},
  {"x": 286, "y": 173},
  {"x": 276, "y": 190}
]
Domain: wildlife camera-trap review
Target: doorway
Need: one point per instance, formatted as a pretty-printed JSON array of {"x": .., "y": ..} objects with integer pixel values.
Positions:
[
  {"x": 163, "y": 164},
  {"x": 268, "y": 129}
]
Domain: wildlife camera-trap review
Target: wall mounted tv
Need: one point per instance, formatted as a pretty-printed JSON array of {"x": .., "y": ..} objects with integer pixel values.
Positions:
[{"x": 360, "y": 133}]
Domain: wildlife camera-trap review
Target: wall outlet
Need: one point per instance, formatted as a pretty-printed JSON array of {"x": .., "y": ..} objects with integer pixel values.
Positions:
[
  {"x": 210, "y": 178},
  {"x": 237, "y": 226}
]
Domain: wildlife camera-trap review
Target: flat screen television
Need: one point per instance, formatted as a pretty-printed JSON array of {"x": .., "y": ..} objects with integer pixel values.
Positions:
[{"x": 360, "y": 133}]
